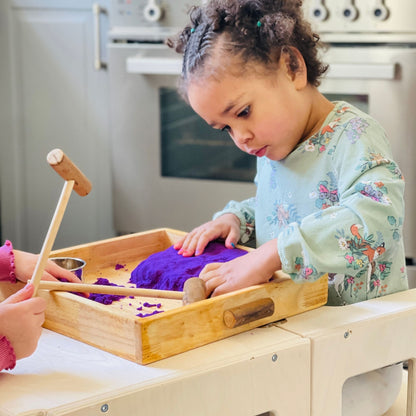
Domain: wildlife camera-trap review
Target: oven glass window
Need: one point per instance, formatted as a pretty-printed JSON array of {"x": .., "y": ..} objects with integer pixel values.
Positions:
[
  {"x": 193, "y": 149},
  {"x": 358, "y": 100}
]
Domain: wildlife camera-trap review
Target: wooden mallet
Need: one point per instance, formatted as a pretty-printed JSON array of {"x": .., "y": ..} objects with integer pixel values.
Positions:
[
  {"x": 193, "y": 290},
  {"x": 74, "y": 179}
]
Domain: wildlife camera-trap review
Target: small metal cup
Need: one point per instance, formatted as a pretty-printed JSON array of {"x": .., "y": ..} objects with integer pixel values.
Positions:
[{"x": 72, "y": 264}]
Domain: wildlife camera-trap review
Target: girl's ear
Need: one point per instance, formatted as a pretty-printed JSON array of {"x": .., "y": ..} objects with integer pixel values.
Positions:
[{"x": 295, "y": 67}]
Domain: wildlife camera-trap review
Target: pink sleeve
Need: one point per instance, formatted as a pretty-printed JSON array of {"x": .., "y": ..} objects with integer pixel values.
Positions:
[
  {"x": 7, "y": 355},
  {"x": 7, "y": 269}
]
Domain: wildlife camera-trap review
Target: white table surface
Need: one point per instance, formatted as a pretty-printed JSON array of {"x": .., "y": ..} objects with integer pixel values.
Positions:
[{"x": 67, "y": 374}]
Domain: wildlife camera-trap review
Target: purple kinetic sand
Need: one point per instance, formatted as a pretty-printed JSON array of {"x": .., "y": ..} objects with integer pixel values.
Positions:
[
  {"x": 102, "y": 298},
  {"x": 152, "y": 305},
  {"x": 143, "y": 315},
  {"x": 168, "y": 270}
]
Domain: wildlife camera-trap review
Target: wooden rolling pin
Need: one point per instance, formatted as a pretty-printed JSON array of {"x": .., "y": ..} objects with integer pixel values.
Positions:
[{"x": 194, "y": 290}]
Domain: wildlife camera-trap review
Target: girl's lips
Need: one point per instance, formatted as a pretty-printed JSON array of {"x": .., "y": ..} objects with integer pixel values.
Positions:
[{"x": 259, "y": 153}]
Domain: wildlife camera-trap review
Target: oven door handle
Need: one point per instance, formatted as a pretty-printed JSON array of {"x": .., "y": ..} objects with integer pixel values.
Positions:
[
  {"x": 362, "y": 71},
  {"x": 153, "y": 65},
  {"x": 97, "y": 10}
]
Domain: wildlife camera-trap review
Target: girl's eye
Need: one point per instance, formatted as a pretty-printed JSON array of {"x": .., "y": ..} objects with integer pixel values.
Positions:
[
  {"x": 226, "y": 128},
  {"x": 245, "y": 112}
]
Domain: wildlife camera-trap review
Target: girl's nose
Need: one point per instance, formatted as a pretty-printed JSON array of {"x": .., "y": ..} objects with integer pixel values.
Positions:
[{"x": 242, "y": 137}]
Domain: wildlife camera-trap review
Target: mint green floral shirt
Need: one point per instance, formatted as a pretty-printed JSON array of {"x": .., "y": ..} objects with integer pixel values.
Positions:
[{"x": 336, "y": 206}]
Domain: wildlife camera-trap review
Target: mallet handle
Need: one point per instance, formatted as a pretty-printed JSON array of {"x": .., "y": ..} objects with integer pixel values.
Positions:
[
  {"x": 51, "y": 235},
  {"x": 110, "y": 290}
]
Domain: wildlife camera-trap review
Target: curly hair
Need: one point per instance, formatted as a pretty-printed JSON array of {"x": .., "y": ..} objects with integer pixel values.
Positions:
[{"x": 253, "y": 30}]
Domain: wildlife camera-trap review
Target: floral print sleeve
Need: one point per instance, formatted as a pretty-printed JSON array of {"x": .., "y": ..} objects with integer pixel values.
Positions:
[
  {"x": 350, "y": 220},
  {"x": 245, "y": 212}
]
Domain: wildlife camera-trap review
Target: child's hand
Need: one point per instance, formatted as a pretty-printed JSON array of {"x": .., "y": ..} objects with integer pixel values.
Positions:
[
  {"x": 251, "y": 269},
  {"x": 226, "y": 226},
  {"x": 21, "y": 319},
  {"x": 25, "y": 264}
]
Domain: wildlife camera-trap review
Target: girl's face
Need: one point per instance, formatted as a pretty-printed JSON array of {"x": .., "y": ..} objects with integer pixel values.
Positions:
[{"x": 265, "y": 115}]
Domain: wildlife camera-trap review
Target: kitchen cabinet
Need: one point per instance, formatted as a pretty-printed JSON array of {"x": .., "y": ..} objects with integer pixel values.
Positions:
[{"x": 52, "y": 97}]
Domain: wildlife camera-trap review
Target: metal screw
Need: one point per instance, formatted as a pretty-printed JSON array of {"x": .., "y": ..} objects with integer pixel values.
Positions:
[
  {"x": 104, "y": 408},
  {"x": 274, "y": 358},
  {"x": 346, "y": 334}
]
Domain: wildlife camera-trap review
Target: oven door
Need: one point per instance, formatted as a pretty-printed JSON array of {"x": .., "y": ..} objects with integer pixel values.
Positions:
[
  {"x": 382, "y": 82},
  {"x": 170, "y": 169}
]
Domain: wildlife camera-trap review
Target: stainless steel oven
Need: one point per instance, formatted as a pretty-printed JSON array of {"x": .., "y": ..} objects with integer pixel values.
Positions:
[{"x": 170, "y": 169}]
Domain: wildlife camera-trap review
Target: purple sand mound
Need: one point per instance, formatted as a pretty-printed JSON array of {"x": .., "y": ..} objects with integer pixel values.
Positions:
[{"x": 168, "y": 270}]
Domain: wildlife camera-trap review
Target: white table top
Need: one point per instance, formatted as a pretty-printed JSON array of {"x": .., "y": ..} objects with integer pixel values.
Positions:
[
  {"x": 64, "y": 371},
  {"x": 318, "y": 321}
]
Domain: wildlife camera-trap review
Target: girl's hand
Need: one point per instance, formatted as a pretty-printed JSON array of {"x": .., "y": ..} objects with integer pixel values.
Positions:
[
  {"x": 21, "y": 319},
  {"x": 25, "y": 264},
  {"x": 226, "y": 226},
  {"x": 251, "y": 269}
]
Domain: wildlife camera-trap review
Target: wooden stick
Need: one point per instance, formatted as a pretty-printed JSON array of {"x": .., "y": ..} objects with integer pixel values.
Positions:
[
  {"x": 110, "y": 290},
  {"x": 51, "y": 235}
]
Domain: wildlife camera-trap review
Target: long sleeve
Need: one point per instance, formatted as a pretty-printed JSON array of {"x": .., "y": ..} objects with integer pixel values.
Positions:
[
  {"x": 7, "y": 268},
  {"x": 356, "y": 234},
  {"x": 7, "y": 355},
  {"x": 364, "y": 224},
  {"x": 245, "y": 212},
  {"x": 336, "y": 206},
  {"x": 7, "y": 273}
]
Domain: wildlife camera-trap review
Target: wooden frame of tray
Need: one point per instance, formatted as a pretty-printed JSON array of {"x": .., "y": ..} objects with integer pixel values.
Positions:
[{"x": 116, "y": 328}]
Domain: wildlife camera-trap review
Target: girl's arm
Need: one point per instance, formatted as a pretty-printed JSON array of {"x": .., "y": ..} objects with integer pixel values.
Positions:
[
  {"x": 234, "y": 223},
  {"x": 245, "y": 212},
  {"x": 361, "y": 236},
  {"x": 19, "y": 265},
  {"x": 253, "y": 268}
]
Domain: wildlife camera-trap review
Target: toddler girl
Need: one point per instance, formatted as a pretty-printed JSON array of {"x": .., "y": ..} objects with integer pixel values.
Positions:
[{"x": 329, "y": 194}]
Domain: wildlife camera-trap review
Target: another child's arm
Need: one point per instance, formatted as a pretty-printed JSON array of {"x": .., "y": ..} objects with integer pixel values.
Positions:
[
  {"x": 21, "y": 319},
  {"x": 25, "y": 264},
  {"x": 21, "y": 316},
  {"x": 19, "y": 265}
]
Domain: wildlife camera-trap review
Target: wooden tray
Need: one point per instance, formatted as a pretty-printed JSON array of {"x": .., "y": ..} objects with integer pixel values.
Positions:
[{"x": 116, "y": 328}]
